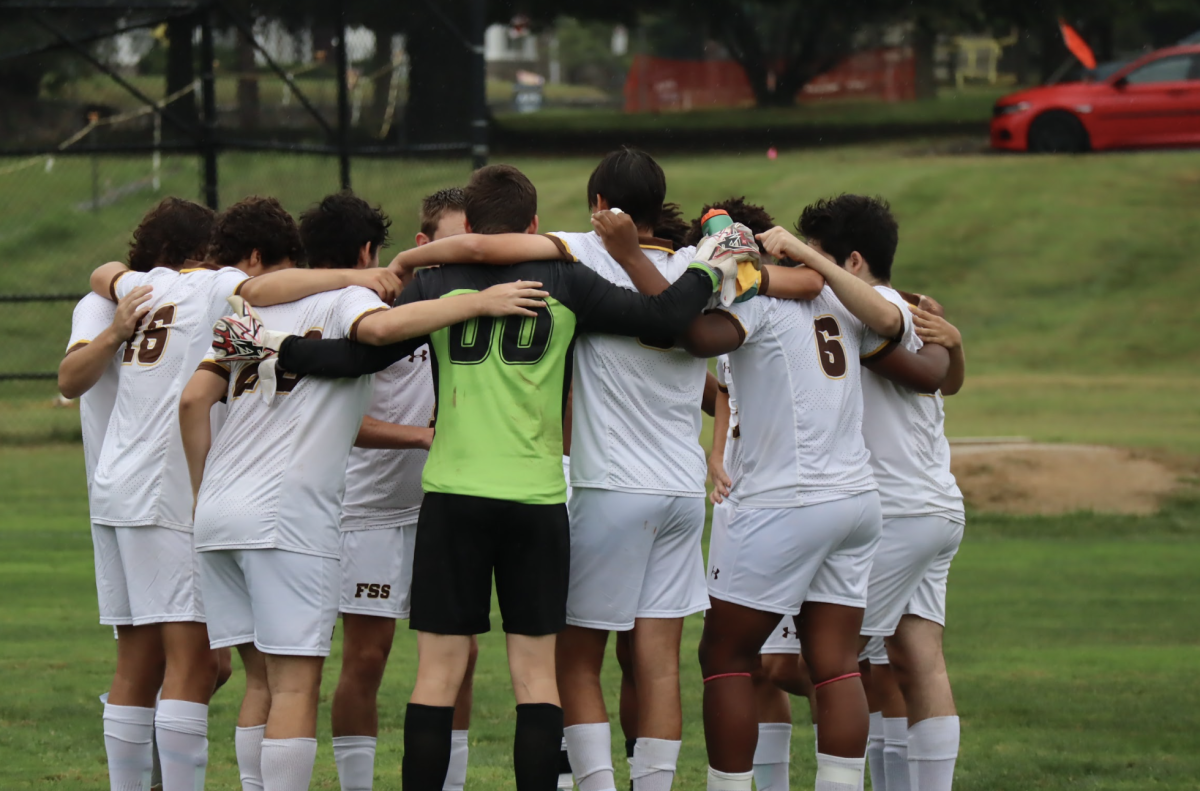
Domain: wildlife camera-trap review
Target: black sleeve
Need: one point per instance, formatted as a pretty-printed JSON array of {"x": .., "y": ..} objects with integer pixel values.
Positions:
[
  {"x": 341, "y": 359},
  {"x": 602, "y": 307}
]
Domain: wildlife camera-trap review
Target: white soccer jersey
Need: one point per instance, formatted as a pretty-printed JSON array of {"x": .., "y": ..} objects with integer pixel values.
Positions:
[
  {"x": 93, "y": 314},
  {"x": 142, "y": 476},
  {"x": 733, "y": 444},
  {"x": 276, "y": 473},
  {"x": 383, "y": 487},
  {"x": 636, "y": 404},
  {"x": 905, "y": 431},
  {"x": 800, "y": 410}
]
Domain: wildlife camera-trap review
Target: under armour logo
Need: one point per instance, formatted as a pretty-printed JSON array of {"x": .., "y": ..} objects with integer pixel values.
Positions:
[
  {"x": 785, "y": 633},
  {"x": 424, "y": 355},
  {"x": 716, "y": 573}
]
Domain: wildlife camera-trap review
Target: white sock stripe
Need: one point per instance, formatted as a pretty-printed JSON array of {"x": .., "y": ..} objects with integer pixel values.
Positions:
[
  {"x": 654, "y": 755},
  {"x": 128, "y": 715},
  {"x": 729, "y": 781},
  {"x": 934, "y": 739},
  {"x": 836, "y": 769}
]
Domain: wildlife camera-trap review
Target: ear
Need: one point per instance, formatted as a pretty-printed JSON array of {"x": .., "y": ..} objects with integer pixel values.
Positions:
[
  {"x": 256, "y": 261},
  {"x": 601, "y": 204},
  {"x": 366, "y": 258},
  {"x": 533, "y": 226},
  {"x": 422, "y": 239},
  {"x": 467, "y": 225}
]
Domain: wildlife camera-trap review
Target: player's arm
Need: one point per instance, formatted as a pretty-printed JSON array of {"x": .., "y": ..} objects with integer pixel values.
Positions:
[
  {"x": 937, "y": 332},
  {"x": 708, "y": 399},
  {"x": 479, "y": 248},
  {"x": 375, "y": 433},
  {"x": 86, "y": 361},
  {"x": 619, "y": 234},
  {"x": 791, "y": 282},
  {"x": 416, "y": 319},
  {"x": 716, "y": 459},
  {"x": 205, "y": 388},
  {"x": 867, "y": 304},
  {"x": 924, "y": 371},
  {"x": 601, "y": 306},
  {"x": 289, "y": 285},
  {"x": 104, "y": 279}
]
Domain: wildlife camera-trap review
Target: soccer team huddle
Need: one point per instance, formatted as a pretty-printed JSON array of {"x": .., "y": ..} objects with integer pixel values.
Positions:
[{"x": 269, "y": 447}]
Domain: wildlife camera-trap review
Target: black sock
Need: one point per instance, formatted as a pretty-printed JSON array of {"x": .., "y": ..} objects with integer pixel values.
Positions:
[
  {"x": 629, "y": 745},
  {"x": 426, "y": 747},
  {"x": 537, "y": 745}
]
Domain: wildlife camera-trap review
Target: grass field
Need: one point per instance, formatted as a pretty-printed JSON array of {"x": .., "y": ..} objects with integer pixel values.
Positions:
[
  {"x": 1073, "y": 646},
  {"x": 1074, "y": 279}
]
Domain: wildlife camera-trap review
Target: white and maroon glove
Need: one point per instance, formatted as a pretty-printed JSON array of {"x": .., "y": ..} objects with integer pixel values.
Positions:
[
  {"x": 242, "y": 337},
  {"x": 734, "y": 256}
]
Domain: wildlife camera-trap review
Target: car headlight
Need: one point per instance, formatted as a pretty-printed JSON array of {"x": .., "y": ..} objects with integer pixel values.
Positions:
[{"x": 1010, "y": 109}]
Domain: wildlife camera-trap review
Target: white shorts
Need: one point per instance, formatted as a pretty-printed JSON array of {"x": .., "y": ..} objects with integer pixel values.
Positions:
[
  {"x": 146, "y": 575},
  {"x": 775, "y": 559},
  {"x": 784, "y": 640},
  {"x": 284, "y": 602},
  {"x": 875, "y": 652},
  {"x": 634, "y": 556},
  {"x": 910, "y": 572},
  {"x": 377, "y": 569}
]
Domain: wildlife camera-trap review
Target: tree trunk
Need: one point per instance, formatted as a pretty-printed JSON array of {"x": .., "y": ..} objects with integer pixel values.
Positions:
[
  {"x": 924, "y": 54},
  {"x": 247, "y": 86},
  {"x": 738, "y": 35},
  {"x": 439, "y": 80},
  {"x": 181, "y": 72}
]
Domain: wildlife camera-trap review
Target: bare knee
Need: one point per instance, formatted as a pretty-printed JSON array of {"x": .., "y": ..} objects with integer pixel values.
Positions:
[
  {"x": 363, "y": 666},
  {"x": 224, "y": 667},
  {"x": 719, "y": 656}
]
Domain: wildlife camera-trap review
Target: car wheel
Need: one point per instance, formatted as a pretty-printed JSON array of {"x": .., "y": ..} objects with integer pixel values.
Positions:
[{"x": 1057, "y": 132}]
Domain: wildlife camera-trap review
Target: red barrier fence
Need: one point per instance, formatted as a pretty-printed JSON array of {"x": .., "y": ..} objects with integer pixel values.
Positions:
[{"x": 657, "y": 84}]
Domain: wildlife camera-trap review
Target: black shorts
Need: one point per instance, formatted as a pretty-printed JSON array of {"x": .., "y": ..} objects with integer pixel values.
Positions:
[{"x": 461, "y": 540}]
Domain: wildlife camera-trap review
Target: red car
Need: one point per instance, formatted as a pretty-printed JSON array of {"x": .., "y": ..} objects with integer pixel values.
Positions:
[{"x": 1153, "y": 101}]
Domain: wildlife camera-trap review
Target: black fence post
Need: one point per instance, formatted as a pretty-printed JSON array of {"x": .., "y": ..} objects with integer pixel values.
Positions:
[
  {"x": 208, "y": 141},
  {"x": 479, "y": 107},
  {"x": 343, "y": 72}
]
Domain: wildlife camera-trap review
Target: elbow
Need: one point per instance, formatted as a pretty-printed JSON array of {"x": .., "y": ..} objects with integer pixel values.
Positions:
[
  {"x": 953, "y": 388},
  {"x": 67, "y": 385},
  {"x": 473, "y": 249},
  {"x": 370, "y": 333}
]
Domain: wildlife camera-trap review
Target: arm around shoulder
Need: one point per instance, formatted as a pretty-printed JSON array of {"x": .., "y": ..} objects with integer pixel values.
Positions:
[{"x": 104, "y": 279}]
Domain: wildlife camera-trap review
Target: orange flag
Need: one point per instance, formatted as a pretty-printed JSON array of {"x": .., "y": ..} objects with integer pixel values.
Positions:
[{"x": 1077, "y": 45}]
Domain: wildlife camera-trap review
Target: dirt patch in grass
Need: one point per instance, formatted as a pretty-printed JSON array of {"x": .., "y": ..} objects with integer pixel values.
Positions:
[{"x": 1036, "y": 478}]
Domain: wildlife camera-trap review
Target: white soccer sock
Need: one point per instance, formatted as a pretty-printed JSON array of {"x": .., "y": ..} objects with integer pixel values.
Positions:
[
  {"x": 772, "y": 756},
  {"x": 835, "y": 773},
  {"x": 875, "y": 740},
  {"x": 729, "y": 781},
  {"x": 456, "y": 775},
  {"x": 128, "y": 733},
  {"x": 653, "y": 767},
  {"x": 287, "y": 764},
  {"x": 816, "y": 741},
  {"x": 181, "y": 728},
  {"x": 247, "y": 743},
  {"x": 566, "y": 781},
  {"x": 590, "y": 749},
  {"x": 895, "y": 753},
  {"x": 355, "y": 759},
  {"x": 932, "y": 752}
]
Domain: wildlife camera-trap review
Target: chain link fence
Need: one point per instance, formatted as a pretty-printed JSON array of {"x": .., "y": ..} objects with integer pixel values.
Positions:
[{"x": 104, "y": 113}]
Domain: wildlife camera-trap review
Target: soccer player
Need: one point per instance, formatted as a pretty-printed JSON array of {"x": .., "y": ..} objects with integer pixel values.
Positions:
[
  {"x": 923, "y": 521},
  {"x": 494, "y": 491},
  {"x": 142, "y": 505},
  {"x": 269, "y": 492},
  {"x": 817, "y": 474},
  {"x": 379, "y": 529}
]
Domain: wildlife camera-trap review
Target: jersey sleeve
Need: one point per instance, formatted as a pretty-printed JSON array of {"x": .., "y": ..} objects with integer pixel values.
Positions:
[
  {"x": 352, "y": 305},
  {"x": 210, "y": 363},
  {"x": 745, "y": 316},
  {"x": 226, "y": 282},
  {"x": 125, "y": 282},
  {"x": 872, "y": 343},
  {"x": 600, "y": 306},
  {"x": 568, "y": 244},
  {"x": 92, "y": 316}
]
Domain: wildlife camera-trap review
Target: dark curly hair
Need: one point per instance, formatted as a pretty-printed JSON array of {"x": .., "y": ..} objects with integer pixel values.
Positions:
[
  {"x": 671, "y": 226},
  {"x": 849, "y": 223},
  {"x": 751, "y": 215},
  {"x": 435, "y": 206},
  {"x": 172, "y": 232},
  {"x": 255, "y": 223},
  {"x": 334, "y": 230}
]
